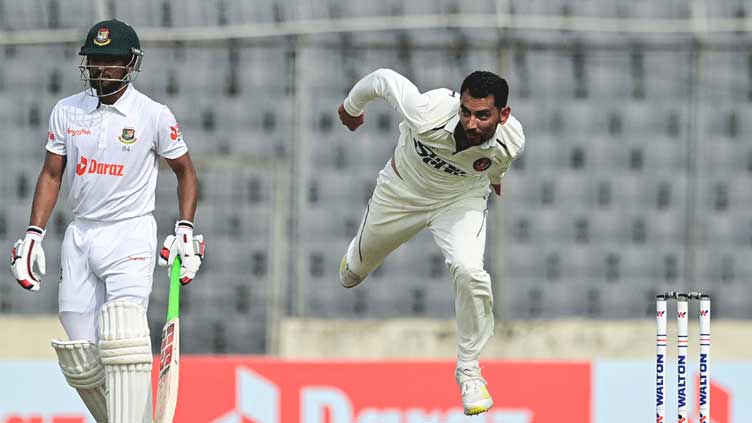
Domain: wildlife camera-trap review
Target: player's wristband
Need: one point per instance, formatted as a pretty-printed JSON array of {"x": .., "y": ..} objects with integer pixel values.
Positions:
[
  {"x": 183, "y": 226},
  {"x": 35, "y": 231}
]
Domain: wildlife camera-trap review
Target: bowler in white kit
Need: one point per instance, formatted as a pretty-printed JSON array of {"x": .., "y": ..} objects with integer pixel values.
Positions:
[
  {"x": 453, "y": 149},
  {"x": 106, "y": 142}
]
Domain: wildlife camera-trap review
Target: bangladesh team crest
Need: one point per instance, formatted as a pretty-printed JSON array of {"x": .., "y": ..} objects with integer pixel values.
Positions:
[
  {"x": 103, "y": 37},
  {"x": 128, "y": 136},
  {"x": 482, "y": 164}
]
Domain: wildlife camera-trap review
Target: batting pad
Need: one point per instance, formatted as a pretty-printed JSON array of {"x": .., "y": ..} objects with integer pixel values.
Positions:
[
  {"x": 125, "y": 348},
  {"x": 79, "y": 361}
]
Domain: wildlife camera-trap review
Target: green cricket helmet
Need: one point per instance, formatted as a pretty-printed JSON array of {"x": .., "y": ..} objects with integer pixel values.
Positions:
[{"x": 111, "y": 38}]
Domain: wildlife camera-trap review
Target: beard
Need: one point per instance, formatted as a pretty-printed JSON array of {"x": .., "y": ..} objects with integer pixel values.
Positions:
[
  {"x": 477, "y": 137},
  {"x": 104, "y": 88}
]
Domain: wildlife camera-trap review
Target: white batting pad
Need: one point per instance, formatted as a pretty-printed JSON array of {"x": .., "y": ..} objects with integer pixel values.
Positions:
[
  {"x": 125, "y": 348},
  {"x": 82, "y": 368}
]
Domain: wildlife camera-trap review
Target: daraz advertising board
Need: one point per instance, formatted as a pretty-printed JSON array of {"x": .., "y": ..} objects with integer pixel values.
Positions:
[{"x": 239, "y": 389}]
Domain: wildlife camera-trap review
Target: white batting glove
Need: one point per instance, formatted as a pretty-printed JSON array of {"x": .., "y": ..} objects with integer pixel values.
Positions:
[
  {"x": 24, "y": 254},
  {"x": 190, "y": 247}
]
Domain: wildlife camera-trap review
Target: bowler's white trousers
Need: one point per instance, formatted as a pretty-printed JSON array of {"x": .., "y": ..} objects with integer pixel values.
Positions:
[
  {"x": 396, "y": 213},
  {"x": 103, "y": 262}
]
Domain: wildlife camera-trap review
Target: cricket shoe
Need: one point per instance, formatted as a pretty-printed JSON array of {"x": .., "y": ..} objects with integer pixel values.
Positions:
[
  {"x": 347, "y": 277},
  {"x": 475, "y": 396}
]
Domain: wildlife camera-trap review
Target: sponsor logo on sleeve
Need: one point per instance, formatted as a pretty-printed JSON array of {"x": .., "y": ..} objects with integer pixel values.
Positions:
[
  {"x": 50, "y": 136},
  {"x": 175, "y": 133}
]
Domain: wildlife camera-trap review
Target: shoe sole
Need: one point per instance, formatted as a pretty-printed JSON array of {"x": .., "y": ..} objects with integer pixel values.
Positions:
[
  {"x": 350, "y": 286},
  {"x": 476, "y": 410},
  {"x": 342, "y": 265},
  {"x": 479, "y": 409}
]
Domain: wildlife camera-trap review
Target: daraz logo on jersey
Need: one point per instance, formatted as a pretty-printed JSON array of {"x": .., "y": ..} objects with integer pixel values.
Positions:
[{"x": 87, "y": 165}]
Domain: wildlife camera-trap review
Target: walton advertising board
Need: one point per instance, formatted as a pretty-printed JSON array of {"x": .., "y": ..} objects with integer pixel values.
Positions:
[{"x": 258, "y": 390}]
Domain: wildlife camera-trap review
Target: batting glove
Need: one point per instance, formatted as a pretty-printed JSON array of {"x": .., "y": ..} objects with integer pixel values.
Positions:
[
  {"x": 24, "y": 254},
  {"x": 190, "y": 247}
]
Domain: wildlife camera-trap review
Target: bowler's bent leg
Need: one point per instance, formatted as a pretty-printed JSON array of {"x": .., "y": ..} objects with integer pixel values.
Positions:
[{"x": 385, "y": 226}]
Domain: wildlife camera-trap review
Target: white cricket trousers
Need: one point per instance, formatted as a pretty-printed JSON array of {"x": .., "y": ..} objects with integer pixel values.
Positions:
[
  {"x": 396, "y": 213},
  {"x": 103, "y": 262}
]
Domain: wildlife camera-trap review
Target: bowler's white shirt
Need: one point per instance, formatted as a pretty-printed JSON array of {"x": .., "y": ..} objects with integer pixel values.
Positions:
[
  {"x": 113, "y": 152},
  {"x": 428, "y": 157}
]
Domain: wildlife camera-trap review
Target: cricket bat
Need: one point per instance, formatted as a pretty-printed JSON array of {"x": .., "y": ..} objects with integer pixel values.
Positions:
[{"x": 169, "y": 363}]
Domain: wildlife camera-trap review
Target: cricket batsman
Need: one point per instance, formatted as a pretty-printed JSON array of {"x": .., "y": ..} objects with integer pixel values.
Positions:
[
  {"x": 106, "y": 142},
  {"x": 453, "y": 148}
]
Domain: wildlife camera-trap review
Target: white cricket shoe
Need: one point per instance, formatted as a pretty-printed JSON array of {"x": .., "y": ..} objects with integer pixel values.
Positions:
[
  {"x": 347, "y": 277},
  {"x": 475, "y": 396}
]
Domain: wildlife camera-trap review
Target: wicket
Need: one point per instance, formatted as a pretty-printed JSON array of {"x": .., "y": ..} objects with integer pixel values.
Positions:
[{"x": 682, "y": 331}]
